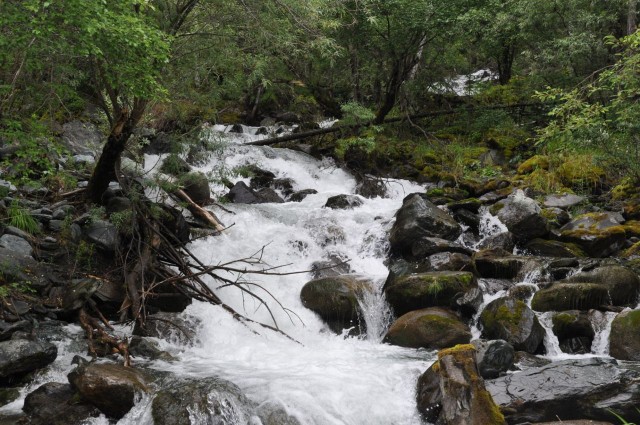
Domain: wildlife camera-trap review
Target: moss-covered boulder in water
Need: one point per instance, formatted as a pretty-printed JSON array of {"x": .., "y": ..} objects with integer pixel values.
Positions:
[
  {"x": 335, "y": 300},
  {"x": 598, "y": 234},
  {"x": 513, "y": 321},
  {"x": 622, "y": 283},
  {"x": 574, "y": 331},
  {"x": 431, "y": 289},
  {"x": 570, "y": 296},
  {"x": 431, "y": 328},
  {"x": 624, "y": 340},
  {"x": 498, "y": 264},
  {"x": 550, "y": 248}
]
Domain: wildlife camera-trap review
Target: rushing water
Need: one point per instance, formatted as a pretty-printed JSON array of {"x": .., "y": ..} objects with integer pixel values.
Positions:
[{"x": 325, "y": 378}]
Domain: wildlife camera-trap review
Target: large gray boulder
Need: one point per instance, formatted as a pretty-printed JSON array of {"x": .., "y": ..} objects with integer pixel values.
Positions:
[
  {"x": 82, "y": 138},
  {"x": 17, "y": 244},
  {"x": 56, "y": 404},
  {"x": 513, "y": 321},
  {"x": 103, "y": 234},
  {"x": 598, "y": 234},
  {"x": 209, "y": 400},
  {"x": 335, "y": 300},
  {"x": 494, "y": 357},
  {"x": 418, "y": 218},
  {"x": 570, "y": 389},
  {"x": 522, "y": 216},
  {"x": 21, "y": 356}
]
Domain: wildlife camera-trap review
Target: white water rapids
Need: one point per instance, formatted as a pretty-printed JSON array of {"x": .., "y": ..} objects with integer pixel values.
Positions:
[{"x": 327, "y": 379}]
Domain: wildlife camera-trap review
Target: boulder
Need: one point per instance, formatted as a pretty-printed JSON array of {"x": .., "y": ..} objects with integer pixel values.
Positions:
[
  {"x": 622, "y": 283},
  {"x": 284, "y": 185},
  {"x": 452, "y": 392},
  {"x": 82, "y": 138},
  {"x": 513, "y": 321},
  {"x": 564, "y": 201},
  {"x": 428, "y": 246},
  {"x": 522, "y": 291},
  {"x": 240, "y": 193},
  {"x": 431, "y": 289},
  {"x": 260, "y": 178},
  {"x": 493, "y": 357},
  {"x": 332, "y": 267},
  {"x": 269, "y": 196},
  {"x": 448, "y": 261},
  {"x": 470, "y": 204},
  {"x": 430, "y": 328},
  {"x": 103, "y": 234},
  {"x": 74, "y": 295},
  {"x": 20, "y": 356},
  {"x": 343, "y": 202},
  {"x": 273, "y": 413},
  {"x": 598, "y": 234},
  {"x": 522, "y": 216},
  {"x": 371, "y": 187},
  {"x": 503, "y": 240},
  {"x": 55, "y": 404},
  {"x": 301, "y": 194},
  {"x": 196, "y": 186},
  {"x": 16, "y": 244},
  {"x": 498, "y": 264},
  {"x": 624, "y": 339},
  {"x": 571, "y": 389},
  {"x": 551, "y": 248},
  {"x": 418, "y": 218},
  {"x": 468, "y": 218},
  {"x": 570, "y": 296},
  {"x": 111, "y": 388},
  {"x": 556, "y": 217},
  {"x": 335, "y": 300},
  {"x": 169, "y": 326},
  {"x": 574, "y": 331},
  {"x": 208, "y": 400}
]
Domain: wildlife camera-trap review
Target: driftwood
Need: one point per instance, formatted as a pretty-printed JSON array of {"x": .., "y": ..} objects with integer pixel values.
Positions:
[
  {"x": 198, "y": 211},
  {"x": 351, "y": 127}
]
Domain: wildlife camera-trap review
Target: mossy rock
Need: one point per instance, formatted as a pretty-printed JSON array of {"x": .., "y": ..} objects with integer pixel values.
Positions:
[
  {"x": 534, "y": 163},
  {"x": 471, "y": 204},
  {"x": 624, "y": 340},
  {"x": 550, "y": 248},
  {"x": 632, "y": 251},
  {"x": 574, "y": 331},
  {"x": 569, "y": 296},
  {"x": 513, "y": 321},
  {"x": 498, "y": 264},
  {"x": 431, "y": 289},
  {"x": 335, "y": 300},
  {"x": 632, "y": 228},
  {"x": 430, "y": 328},
  {"x": 622, "y": 283},
  {"x": 598, "y": 234}
]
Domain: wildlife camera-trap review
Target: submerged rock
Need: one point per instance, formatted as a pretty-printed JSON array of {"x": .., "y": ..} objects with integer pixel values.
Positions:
[
  {"x": 513, "y": 321},
  {"x": 335, "y": 300},
  {"x": 431, "y": 289},
  {"x": 430, "y": 328},
  {"x": 418, "y": 218},
  {"x": 301, "y": 194},
  {"x": 343, "y": 202},
  {"x": 570, "y": 389}
]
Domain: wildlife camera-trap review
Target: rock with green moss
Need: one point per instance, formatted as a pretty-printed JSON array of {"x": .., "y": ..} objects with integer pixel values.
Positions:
[
  {"x": 551, "y": 248},
  {"x": 622, "y": 283},
  {"x": 452, "y": 392},
  {"x": 335, "y": 300},
  {"x": 431, "y": 289},
  {"x": 534, "y": 163},
  {"x": 450, "y": 261},
  {"x": 556, "y": 217},
  {"x": 428, "y": 246},
  {"x": 598, "y": 234},
  {"x": 469, "y": 204},
  {"x": 564, "y": 201},
  {"x": 522, "y": 216},
  {"x": 418, "y": 218},
  {"x": 574, "y": 331},
  {"x": 569, "y": 296},
  {"x": 624, "y": 340},
  {"x": 513, "y": 321},
  {"x": 430, "y": 328}
]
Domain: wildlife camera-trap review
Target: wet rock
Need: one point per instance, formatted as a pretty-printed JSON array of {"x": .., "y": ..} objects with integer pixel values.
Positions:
[
  {"x": 103, "y": 234},
  {"x": 521, "y": 292},
  {"x": 569, "y": 296},
  {"x": 526, "y": 360},
  {"x": 7, "y": 395},
  {"x": 522, "y": 216},
  {"x": 569, "y": 389},
  {"x": 240, "y": 193},
  {"x": 418, "y": 218},
  {"x": 556, "y": 217},
  {"x": 550, "y": 248},
  {"x": 493, "y": 357},
  {"x": 82, "y": 138},
  {"x": 268, "y": 195},
  {"x": 8, "y": 329},
  {"x": 17, "y": 244},
  {"x": 169, "y": 326},
  {"x": 284, "y": 185},
  {"x": 504, "y": 241},
  {"x": 335, "y": 300},
  {"x": 209, "y": 400},
  {"x": 624, "y": 340},
  {"x": 331, "y": 268},
  {"x": 430, "y": 328},
  {"x": 598, "y": 234},
  {"x": 55, "y": 404},
  {"x": 447, "y": 261},
  {"x": 260, "y": 178},
  {"x": 574, "y": 331},
  {"x": 564, "y": 201},
  {"x": 301, "y": 194},
  {"x": 371, "y": 187},
  {"x": 622, "y": 283},
  {"x": 431, "y": 289},
  {"x": 272, "y": 413},
  {"x": 498, "y": 264},
  {"x": 470, "y": 302},
  {"x": 343, "y": 202},
  {"x": 468, "y": 218},
  {"x": 196, "y": 186},
  {"x": 145, "y": 347},
  {"x": 470, "y": 204},
  {"x": 111, "y": 388},
  {"x": 428, "y": 246},
  {"x": 175, "y": 224},
  {"x": 452, "y": 392},
  {"x": 20, "y": 356},
  {"x": 513, "y": 321}
]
